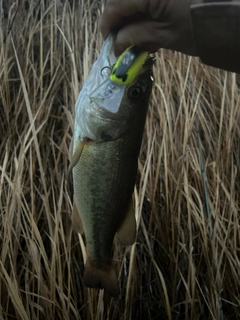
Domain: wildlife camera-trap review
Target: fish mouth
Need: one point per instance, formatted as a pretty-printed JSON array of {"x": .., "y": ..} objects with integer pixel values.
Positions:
[
  {"x": 108, "y": 96},
  {"x": 101, "y": 112}
]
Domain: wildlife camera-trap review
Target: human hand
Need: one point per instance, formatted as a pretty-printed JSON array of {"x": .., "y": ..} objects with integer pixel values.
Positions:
[{"x": 151, "y": 24}]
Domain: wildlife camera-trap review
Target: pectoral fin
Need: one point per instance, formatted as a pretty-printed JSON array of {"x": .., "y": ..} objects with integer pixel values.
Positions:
[
  {"x": 76, "y": 220},
  {"x": 126, "y": 235},
  {"x": 77, "y": 154}
]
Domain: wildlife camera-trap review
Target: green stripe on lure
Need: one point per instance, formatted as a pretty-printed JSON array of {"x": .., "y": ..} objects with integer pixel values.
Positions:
[
  {"x": 124, "y": 73},
  {"x": 128, "y": 65}
]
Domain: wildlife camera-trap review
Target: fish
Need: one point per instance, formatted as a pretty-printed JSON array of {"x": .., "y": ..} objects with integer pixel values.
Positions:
[{"x": 106, "y": 146}]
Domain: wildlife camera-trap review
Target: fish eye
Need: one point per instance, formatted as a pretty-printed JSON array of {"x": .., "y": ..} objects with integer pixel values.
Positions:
[{"x": 134, "y": 92}]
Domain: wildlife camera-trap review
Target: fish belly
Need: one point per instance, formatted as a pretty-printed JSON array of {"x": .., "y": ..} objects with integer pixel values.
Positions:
[{"x": 104, "y": 180}]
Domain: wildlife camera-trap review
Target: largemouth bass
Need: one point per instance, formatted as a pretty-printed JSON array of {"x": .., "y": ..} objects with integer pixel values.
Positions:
[{"x": 106, "y": 147}]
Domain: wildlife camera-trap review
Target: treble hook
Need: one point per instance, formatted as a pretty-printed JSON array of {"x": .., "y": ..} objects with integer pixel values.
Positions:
[{"x": 106, "y": 67}]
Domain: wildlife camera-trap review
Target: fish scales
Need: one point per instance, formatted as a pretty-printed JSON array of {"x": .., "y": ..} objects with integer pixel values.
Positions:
[
  {"x": 105, "y": 157},
  {"x": 105, "y": 177}
]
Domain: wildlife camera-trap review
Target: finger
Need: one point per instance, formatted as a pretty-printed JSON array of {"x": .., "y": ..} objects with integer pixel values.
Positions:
[
  {"x": 150, "y": 35},
  {"x": 118, "y": 12}
]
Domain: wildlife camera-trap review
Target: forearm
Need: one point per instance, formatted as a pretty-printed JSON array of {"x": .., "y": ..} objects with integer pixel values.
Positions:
[{"x": 216, "y": 31}]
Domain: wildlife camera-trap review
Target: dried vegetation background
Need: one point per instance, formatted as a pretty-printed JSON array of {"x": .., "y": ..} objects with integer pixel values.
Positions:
[{"x": 185, "y": 263}]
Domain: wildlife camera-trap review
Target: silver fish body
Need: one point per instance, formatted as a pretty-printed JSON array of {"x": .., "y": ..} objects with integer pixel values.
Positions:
[{"x": 104, "y": 177}]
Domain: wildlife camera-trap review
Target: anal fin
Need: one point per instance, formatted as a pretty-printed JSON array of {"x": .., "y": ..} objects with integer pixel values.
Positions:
[{"x": 126, "y": 234}]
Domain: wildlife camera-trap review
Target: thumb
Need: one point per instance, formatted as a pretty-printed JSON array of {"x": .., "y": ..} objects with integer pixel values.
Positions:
[{"x": 146, "y": 34}]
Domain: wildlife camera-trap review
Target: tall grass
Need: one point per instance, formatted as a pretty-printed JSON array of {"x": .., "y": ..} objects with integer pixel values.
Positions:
[{"x": 185, "y": 263}]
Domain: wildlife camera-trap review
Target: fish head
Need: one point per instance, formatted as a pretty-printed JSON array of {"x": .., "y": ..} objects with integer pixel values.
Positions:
[{"x": 106, "y": 110}]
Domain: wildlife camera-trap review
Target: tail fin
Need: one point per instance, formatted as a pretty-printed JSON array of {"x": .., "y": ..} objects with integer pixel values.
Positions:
[{"x": 104, "y": 278}]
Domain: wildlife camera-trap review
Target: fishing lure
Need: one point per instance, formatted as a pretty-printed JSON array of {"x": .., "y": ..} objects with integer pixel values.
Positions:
[
  {"x": 128, "y": 65},
  {"x": 109, "y": 94}
]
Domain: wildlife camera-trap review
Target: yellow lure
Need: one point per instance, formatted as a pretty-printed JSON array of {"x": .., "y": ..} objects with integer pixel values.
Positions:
[{"x": 128, "y": 65}]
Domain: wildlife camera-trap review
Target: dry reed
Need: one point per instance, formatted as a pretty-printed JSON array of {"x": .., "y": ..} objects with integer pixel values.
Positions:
[{"x": 185, "y": 263}]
